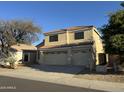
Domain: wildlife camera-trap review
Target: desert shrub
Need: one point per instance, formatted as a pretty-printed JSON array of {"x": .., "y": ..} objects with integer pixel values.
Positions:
[{"x": 10, "y": 60}]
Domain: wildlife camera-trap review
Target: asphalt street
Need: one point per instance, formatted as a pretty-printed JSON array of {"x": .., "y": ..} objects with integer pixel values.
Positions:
[{"x": 9, "y": 84}]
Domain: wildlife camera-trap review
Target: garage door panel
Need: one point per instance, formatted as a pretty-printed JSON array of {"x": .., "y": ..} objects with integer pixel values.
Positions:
[
  {"x": 56, "y": 59},
  {"x": 81, "y": 57},
  {"x": 78, "y": 57}
]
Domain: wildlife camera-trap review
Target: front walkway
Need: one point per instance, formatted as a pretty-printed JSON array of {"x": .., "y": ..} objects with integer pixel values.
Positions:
[{"x": 60, "y": 78}]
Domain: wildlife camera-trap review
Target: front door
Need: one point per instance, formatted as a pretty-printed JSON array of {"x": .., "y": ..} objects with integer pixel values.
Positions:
[{"x": 26, "y": 57}]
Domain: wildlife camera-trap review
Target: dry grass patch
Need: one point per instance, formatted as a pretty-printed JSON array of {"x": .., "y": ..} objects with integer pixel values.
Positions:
[{"x": 115, "y": 77}]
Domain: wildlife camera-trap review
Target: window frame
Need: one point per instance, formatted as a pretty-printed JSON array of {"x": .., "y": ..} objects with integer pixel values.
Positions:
[
  {"x": 52, "y": 38},
  {"x": 78, "y": 36}
]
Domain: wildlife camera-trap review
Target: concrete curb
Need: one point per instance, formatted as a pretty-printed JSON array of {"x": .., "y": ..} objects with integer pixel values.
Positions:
[{"x": 84, "y": 83}]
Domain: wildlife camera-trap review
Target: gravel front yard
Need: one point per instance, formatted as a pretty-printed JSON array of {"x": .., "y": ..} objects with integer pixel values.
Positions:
[{"x": 102, "y": 77}]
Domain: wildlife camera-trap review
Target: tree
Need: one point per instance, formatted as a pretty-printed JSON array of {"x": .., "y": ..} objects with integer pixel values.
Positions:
[
  {"x": 113, "y": 32},
  {"x": 122, "y": 4},
  {"x": 118, "y": 43},
  {"x": 16, "y": 31}
]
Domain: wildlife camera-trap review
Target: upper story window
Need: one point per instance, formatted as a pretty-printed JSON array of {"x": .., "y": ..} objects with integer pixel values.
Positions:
[
  {"x": 53, "y": 38},
  {"x": 79, "y": 35}
]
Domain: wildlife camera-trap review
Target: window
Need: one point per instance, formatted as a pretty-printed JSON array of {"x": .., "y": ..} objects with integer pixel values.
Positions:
[
  {"x": 79, "y": 35},
  {"x": 53, "y": 38}
]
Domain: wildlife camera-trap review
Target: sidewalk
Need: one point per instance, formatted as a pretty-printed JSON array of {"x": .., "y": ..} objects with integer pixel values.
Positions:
[{"x": 65, "y": 79}]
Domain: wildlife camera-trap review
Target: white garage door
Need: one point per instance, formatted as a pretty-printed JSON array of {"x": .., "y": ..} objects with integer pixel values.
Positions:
[
  {"x": 81, "y": 57},
  {"x": 55, "y": 58}
]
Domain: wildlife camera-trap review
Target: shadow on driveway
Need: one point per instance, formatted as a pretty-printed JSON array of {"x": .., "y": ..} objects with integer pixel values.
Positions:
[{"x": 60, "y": 69}]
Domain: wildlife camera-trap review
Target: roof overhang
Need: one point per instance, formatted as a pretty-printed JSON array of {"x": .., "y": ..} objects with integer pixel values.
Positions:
[
  {"x": 84, "y": 28},
  {"x": 67, "y": 46}
]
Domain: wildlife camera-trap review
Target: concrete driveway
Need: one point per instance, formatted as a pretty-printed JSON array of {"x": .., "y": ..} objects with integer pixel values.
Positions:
[
  {"x": 43, "y": 71},
  {"x": 58, "y": 69}
]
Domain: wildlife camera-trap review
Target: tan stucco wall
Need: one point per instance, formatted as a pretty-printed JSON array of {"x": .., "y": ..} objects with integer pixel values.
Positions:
[
  {"x": 87, "y": 37},
  {"x": 68, "y": 38},
  {"x": 62, "y": 39},
  {"x": 97, "y": 45}
]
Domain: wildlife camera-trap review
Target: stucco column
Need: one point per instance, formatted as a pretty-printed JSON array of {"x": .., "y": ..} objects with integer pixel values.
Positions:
[
  {"x": 37, "y": 54},
  {"x": 41, "y": 57},
  {"x": 93, "y": 59},
  {"x": 69, "y": 56}
]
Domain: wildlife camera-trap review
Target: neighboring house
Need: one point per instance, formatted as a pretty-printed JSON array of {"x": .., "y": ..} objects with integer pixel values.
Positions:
[
  {"x": 78, "y": 46},
  {"x": 20, "y": 48}
]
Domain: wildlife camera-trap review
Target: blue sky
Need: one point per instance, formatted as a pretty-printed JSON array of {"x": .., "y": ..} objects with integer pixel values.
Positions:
[{"x": 56, "y": 15}]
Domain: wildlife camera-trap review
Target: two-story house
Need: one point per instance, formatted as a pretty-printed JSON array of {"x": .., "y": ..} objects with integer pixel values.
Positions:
[{"x": 78, "y": 46}]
